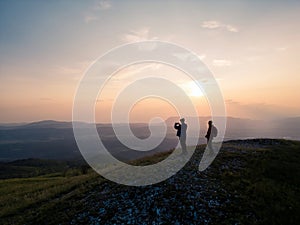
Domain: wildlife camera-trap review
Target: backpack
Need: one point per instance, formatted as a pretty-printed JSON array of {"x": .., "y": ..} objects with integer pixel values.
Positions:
[{"x": 214, "y": 131}]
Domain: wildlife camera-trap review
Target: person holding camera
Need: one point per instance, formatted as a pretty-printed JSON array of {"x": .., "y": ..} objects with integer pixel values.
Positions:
[{"x": 181, "y": 133}]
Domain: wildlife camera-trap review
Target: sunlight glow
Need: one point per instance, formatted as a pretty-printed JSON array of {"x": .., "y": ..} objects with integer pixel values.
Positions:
[{"x": 192, "y": 89}]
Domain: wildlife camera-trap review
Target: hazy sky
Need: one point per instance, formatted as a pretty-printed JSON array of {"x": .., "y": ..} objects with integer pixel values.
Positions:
[{"x": 252, "y": 48}]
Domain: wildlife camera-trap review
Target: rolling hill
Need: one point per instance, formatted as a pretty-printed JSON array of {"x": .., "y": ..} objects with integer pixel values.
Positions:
[
  {"x": 54, "y": 140},
  {"x": 250, "y": 182}
]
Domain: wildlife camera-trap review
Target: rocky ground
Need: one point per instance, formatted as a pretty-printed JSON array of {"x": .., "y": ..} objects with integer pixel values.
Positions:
[{"x": 189, "y": 197}]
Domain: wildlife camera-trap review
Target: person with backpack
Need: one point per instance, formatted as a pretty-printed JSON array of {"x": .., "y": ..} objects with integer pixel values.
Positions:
[
  {"x": 181, "y": 133},
  {"x": 212, "y": 132}
]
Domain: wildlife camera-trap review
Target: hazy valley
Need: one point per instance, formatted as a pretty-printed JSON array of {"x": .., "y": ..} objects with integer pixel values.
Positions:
[{"x": 55, "y": 140}]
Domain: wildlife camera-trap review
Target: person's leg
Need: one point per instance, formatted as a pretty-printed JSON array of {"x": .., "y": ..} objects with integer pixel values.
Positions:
[
  {"x": 183, "y": 144},
  {"x": 209, "y": 143}
]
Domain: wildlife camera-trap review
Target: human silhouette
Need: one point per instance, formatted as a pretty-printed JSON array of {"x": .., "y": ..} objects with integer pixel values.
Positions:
[
  {"x": 181, "y": 133},
  {"x": 211, "y": 133}
]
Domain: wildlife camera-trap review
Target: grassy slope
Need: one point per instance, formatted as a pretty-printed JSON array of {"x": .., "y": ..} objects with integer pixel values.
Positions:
[
  {"x": 269, "y": 185},
  {"x": 261, "y": 180},
  {"x": 39, "y": 199}
]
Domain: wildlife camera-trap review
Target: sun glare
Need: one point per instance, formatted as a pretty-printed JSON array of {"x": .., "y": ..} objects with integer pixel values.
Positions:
[{"x": 192, "y": 89}]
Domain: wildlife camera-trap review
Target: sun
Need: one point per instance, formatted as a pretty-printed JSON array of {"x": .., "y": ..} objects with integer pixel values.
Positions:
[{"x": 192, "y": 89}]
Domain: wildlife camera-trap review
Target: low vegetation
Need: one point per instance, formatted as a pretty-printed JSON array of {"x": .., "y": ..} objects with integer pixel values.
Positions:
[{"x": 259, "y": 180}]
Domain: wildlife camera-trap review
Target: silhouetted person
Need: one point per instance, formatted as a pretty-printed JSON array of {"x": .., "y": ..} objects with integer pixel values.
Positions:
[
  {"x": 181, "y": 133},
  {"x": 211, "y": 133}
]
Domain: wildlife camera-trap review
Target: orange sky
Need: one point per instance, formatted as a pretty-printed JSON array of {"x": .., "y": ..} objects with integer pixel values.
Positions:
[{"x": 252, "y": 48}]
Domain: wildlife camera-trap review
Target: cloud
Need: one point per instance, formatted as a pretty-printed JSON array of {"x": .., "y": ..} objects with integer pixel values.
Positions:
[
  {"x": 131, "y": 71},
  {"x": 221, "y": 62},
  {"x": 188, "y": 56},
  {"x": 201, "y": 57},
  {"x": 213, "y": 24},
  {"x": 90, "y": 18},
  {"x": 103, "y": 5},
  {"x": 281, "y": 49},
  {"x": 137, "y": 35},
  {"x": 144, "y": 34},
  {"x": 232, "y": 28},
  {"x": 259, "y": 110}
]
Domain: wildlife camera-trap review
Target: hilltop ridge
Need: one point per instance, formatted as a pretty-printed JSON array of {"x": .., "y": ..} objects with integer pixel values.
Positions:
[{"x": 244, "y": 185}]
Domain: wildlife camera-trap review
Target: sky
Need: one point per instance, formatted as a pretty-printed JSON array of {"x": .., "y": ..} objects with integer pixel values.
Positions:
[{"x": 251, "y": 47}]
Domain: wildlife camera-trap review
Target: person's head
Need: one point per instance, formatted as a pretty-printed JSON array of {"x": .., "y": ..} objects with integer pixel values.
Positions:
[
  {"x": 210, "y": 122},
  {"x": 182, "y": 120}
]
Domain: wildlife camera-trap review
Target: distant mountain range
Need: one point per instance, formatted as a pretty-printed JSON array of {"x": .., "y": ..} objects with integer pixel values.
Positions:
[
  {"x": 238, "y": 128},
  {"x": 54, "y": 139}
]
